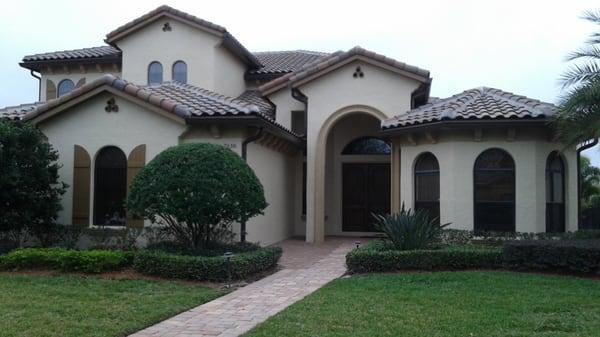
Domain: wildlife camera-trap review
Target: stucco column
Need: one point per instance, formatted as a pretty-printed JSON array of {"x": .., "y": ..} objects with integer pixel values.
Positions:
[
  {"x": 395, "y": 178},
  {"x": 315, "y": 192}
]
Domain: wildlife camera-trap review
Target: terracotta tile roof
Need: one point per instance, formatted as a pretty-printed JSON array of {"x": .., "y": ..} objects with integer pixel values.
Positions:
[
  {"x": 84, "y": 53},
  {"x": 479, "y": 103},
  {"x": 277, "y": 63},
  {"x": 229, "y": 41},
  {"x": 183, "y": 100},
  {"x": 17, "y": 112},
  {"x": 256, "y": 98},
  {"x": 337, "y": 57}
]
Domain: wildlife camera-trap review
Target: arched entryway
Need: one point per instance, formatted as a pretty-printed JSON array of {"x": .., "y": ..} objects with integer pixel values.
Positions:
[{"x": 110, "y": 187}]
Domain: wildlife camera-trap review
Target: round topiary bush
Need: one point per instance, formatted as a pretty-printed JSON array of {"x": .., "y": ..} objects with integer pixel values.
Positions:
[{"x": 197, "y": 191}]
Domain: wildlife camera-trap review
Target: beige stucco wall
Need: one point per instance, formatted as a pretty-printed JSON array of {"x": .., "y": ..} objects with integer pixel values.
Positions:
[
  {"x": 88, "y": 125},
  {"x": 456, "y": 153},
  {"x": 275, "y": 171},
  {"x": 209, "y": 66},
  {"x": 380, "y": 93},
  {"x": 285, "y": 104}
]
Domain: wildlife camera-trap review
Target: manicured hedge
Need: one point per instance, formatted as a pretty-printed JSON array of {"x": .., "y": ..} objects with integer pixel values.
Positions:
[
  {"x": 205, "y": 268},
  {"x": 380, "y": 257},
  {"x": 575, "y": 256},
  {"x": 90, "y": 261}
]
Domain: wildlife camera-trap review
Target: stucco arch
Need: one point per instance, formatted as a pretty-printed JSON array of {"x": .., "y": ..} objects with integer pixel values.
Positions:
[{"x": 315, "y": 229}]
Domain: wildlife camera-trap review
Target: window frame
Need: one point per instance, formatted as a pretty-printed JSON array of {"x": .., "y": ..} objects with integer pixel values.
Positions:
[
  {"x": 346, "y": 151},
  {"x": 513, "y": 175},
  {"x": 417, "y": 173},
  {"x": 63, "y": 81},
  {"x": 549, "y": 176},
  {"x": 161, "y": 73},
  {"x": 173, "y": 71}
]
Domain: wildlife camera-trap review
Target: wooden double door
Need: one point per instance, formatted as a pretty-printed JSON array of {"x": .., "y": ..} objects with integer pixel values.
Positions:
[{"x": 365, "y": 191}]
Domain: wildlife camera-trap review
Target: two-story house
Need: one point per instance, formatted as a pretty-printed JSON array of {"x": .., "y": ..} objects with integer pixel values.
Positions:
[{"x": 333, "y": 137}]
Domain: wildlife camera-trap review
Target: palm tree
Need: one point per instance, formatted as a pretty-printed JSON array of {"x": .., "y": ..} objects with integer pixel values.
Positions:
[{"x": 578, "y": 117}]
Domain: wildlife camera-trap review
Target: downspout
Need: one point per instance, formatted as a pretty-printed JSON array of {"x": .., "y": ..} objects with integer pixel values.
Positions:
[
  {"x": 579, "y": 150},
  {"x": 39, "y": 78},
  {"x": 245, "y": 143}
]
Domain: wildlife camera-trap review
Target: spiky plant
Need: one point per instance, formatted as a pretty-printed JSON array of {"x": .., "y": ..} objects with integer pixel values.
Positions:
[
  {"x": 578, "y": 118},
  {"x": 408, "y": 229}
]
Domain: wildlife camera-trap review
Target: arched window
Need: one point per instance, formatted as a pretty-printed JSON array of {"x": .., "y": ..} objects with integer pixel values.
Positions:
[
  {"x": 110, "y": 187},
  {"x": 494, "y": 191},
  {"x": 367, "y": 145},
  {"x": 180, "y": 72},
  {"x": 555, "y": 193},
  {"x": 155, "y": 73},
  {"x": 427, "y": 185},
  {"x": 65, "y": 86}
]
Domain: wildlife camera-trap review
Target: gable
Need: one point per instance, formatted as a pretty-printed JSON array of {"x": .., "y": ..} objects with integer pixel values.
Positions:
[{"x": 359, "y": 83}]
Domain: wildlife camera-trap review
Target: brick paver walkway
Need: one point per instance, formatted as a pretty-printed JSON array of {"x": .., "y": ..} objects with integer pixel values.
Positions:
[{"x": 306, "y": 268}]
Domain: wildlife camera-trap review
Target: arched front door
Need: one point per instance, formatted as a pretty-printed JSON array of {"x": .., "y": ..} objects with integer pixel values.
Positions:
[
  {"x": 110, "y": 187},
  {"x": 365, "y": 185}
]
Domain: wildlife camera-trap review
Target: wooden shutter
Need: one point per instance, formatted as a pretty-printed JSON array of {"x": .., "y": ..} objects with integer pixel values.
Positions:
[
  {"x": 135, "y": 162},
  {"x": 81, "y": 186},
  {"x": 80, "y": 83},
  {"x": 50, "y": 90}
]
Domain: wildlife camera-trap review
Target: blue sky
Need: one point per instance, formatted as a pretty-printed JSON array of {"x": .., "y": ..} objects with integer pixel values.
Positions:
[{"x": 517, "y": 46}]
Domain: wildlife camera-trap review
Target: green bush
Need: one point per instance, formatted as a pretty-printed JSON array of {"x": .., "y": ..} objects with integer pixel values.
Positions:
[
  {"x": 409, "y": 229},
  {"x": 211, "y": 249},
  {"x": 378, "y": 256},
  {"x": 90, "y": 261},
  {"x": 575, "y": 256},
  {"x": 205, "y": 268},
  {"x": 30, "y": 190},
  {"x": 197, "y": 191}
]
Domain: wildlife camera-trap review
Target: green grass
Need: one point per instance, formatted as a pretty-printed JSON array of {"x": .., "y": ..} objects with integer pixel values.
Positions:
[
  {"x": 74, "y": 306},
  {"x": 449, "y": 304}
]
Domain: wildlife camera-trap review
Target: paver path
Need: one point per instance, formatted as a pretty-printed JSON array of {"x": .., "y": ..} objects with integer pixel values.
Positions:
[{"x": 306, "y": 268}]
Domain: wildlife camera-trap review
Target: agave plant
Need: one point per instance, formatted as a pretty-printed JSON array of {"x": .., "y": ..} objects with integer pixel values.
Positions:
[{"x": 408, "y": 229}]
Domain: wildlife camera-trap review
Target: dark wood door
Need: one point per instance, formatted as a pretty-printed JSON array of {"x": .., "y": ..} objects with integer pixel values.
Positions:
[{"x": 365, "y": 190}]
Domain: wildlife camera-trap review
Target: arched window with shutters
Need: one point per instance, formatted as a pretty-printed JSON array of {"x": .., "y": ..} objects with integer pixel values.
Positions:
[
  {"x": 50, "y": 90},
  {"x": 155, "y": 73},
  {"x": 180, "y": 72},
  {"x": 555, "y": 193},
  {"x": 65, "y": 86},
  {"x": 110, "y": 187},
  {"x": 494, "y": 191},
  {"x": 427, "y": 184}
]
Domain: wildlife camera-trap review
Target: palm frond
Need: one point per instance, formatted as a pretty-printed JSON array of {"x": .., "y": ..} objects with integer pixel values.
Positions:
[
  {"x": 591, "y": 52},
  {"x": 578, "y": 117},
  {"x": 580, "y": 73},
  {"x": 592, "y": 16}
]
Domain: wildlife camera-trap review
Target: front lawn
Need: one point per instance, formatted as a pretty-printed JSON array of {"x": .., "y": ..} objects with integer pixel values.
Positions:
[
  {"x": 74, "y": 306},
  {"x": 444, "y": 304}
]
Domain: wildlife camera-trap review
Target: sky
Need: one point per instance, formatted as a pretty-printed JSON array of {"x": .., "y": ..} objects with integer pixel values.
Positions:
[{"x": 517, "y": 46}]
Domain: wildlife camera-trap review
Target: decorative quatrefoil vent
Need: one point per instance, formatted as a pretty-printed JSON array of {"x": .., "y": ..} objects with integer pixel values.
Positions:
[
  {"x": 166, "y": 27},
  {"x": 358, "y": 73},
  {"x": 111, "y": 106}
]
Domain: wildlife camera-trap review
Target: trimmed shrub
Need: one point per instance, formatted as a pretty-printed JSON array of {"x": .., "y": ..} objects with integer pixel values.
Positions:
[
  {"x": 381, "y": 257},
  {"x": 197, "y": 191},
  {"x": 409, "y": 229},
  {"x": 90, "y": 261},
  {"x": 575, "y": 256},
  {"x": 211, "y": 249},
  {"x": 205, "y": 268}
]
